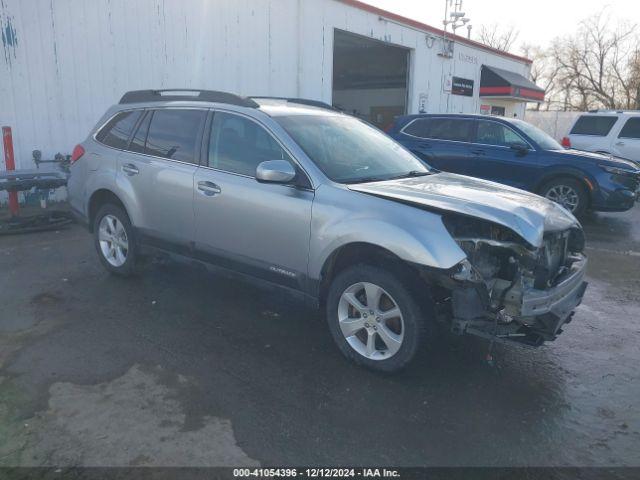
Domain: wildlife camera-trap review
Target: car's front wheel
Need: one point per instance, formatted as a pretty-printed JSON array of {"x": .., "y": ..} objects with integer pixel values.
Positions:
[
  {"x": 569, "y": 193},
  {"x": 375, "y": 320},
  {"x": 114, "y": 240}
]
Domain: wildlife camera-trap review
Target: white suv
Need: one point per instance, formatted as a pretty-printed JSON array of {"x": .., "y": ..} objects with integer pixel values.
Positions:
[{"x": 609, "y": 132}]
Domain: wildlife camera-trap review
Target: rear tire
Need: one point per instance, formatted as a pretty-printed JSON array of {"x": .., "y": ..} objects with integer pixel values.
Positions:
[
  {"x": 375, "y": 319},
  {"x": 114, "y": 240},
  {"x": 568, "y": 192}
]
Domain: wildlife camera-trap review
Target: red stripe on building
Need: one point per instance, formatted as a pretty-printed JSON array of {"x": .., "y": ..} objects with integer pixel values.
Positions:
[
  {"x": 496, "y": 90},
  {"x": 525, "y": 93},
  {"x": 528, "y": 93}
]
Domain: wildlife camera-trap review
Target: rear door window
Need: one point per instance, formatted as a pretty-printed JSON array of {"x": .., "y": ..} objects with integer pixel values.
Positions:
[
  {"x": 452, "y": 129},
  {"x": 116, "y": 133},
  {"x": 238, "y": 145},
  {"x": 596, "y": 125},
  {"x": 631, "y": 129},
  {"x": 173, "y": 134}
]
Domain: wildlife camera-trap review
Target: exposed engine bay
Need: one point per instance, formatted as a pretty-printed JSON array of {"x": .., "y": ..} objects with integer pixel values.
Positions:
[
  {"x": 509, "y": 290},
  {"x": 522, "y": 266}
]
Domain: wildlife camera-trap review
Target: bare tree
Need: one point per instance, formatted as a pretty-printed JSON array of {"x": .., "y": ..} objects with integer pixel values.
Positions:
[
  {"x": 544, "y": 72},
  {"x": 497, "y": 37},
  {"x": 598, "y": 66},
  {"x": 634, "y": 82}
]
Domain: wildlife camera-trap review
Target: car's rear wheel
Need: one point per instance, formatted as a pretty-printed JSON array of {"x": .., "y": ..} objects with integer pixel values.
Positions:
[
  {"x": 375, "y": 320},
  {"x": 114, "y": 240},
  {"x": 569, "y": 193}
]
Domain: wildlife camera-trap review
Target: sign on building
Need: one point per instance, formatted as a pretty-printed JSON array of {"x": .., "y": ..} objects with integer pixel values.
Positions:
[{"x": 462, "y": 86}]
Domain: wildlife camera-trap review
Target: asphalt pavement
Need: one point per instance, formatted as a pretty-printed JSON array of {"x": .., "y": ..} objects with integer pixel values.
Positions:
[{"x": 181, "y": 366}]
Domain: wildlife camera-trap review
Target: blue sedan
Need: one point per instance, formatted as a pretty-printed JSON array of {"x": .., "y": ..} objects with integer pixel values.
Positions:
[{"x": 516, "y": 153}]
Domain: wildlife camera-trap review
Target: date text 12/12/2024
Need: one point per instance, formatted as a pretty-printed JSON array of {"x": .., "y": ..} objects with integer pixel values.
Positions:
[{"x": 316, "y": 473}]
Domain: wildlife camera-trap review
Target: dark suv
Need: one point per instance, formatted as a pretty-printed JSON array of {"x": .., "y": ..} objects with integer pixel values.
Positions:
[{"x": 516, "y": 153}]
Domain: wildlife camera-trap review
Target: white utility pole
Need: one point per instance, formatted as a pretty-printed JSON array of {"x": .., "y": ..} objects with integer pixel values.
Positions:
[{"x": 456, "y": 17}]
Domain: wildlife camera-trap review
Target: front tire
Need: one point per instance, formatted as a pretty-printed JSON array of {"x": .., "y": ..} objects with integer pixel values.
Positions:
[
  {"x": 569, "y": 193},
  {"x": 114, "y": 240},
  {"x": 375, "y": 320}
]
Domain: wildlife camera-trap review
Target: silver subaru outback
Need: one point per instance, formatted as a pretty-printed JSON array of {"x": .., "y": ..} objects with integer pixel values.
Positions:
[{"x": 305, "y": 197}]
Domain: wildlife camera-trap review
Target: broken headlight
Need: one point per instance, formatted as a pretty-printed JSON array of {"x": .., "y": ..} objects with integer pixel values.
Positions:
[
  {"x": 465, "y": 272},
  {"x": 492, "y": 250}
]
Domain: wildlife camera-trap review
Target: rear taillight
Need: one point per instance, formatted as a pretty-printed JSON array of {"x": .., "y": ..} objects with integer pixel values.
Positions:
[
  {"x": 566, "y": 142},
  {"x": 78, "y": 152}
]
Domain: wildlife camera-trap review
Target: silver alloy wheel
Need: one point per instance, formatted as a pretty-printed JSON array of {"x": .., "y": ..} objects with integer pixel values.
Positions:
[
  {"x": 565, "y": 196},
  {"x": 113, "y": 240},
  {"x": 371, "y": 321}
]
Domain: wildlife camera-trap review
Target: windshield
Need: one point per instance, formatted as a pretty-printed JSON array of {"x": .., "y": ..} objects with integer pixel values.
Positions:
[
  {"x": 545, "y": 141},
  {"x": 349, "y": 151}
]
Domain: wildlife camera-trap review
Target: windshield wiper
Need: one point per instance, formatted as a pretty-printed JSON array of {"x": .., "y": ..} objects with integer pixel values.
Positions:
[
  {"x": 364, "y": 180},
  {"x": 412, "y": 174}
]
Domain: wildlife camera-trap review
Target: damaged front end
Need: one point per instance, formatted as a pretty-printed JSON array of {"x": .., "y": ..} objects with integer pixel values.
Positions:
[{"x": 509, "y": 290}]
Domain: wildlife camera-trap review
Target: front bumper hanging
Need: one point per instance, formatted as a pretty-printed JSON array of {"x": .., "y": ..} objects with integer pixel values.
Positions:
[{"x": 531, "y": 317}]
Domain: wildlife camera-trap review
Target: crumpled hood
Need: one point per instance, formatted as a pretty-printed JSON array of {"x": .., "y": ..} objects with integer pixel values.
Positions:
[{"x": 525, "y": 213}]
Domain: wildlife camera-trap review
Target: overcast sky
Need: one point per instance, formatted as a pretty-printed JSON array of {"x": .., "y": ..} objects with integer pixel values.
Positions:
[{"x": 538, "y": 21}]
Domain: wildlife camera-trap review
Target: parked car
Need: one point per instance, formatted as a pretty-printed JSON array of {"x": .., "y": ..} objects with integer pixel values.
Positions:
[
  {"x": 320, "y": 203},
  {"x": 516, "y": 153},
  {"x": 608, "y": 132}
]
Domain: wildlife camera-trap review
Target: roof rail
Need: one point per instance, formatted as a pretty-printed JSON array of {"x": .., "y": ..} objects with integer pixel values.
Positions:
[
  {"x": 301, "y": 101},
  {"x": 173, "y": 94},
  {"x": 600, "y": 110}
]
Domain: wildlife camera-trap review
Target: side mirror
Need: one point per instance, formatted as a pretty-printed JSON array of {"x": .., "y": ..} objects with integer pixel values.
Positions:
[
  {"x": 275, "y": 171},
  {"x": 520, "y": 148}
]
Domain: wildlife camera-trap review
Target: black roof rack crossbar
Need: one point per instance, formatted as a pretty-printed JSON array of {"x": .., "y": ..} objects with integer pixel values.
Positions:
[
  {"x": 177, "y": 94},
  {"x": 302, "y": 101}
]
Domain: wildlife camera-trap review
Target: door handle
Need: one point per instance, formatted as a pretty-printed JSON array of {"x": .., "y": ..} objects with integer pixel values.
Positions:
[
  {"x": 478, "y": 152},
  {"x": 209, "y": 188},
  {"x": 424, "y": 145},
  {"x": 130, "y": 169},
  {"x": 620, "y": 144}
]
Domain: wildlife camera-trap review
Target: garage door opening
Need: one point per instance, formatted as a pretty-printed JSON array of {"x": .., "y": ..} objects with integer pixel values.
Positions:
[{"x": 370, "y": 78}]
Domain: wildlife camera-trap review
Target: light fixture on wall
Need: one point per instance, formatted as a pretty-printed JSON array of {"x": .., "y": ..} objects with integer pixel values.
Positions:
[{"x": 430, "y": 40}]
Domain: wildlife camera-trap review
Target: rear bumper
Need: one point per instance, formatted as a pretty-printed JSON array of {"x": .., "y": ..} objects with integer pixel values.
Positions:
[{"x": 80, "y": 217}]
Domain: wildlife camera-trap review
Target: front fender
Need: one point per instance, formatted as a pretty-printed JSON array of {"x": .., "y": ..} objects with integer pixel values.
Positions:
[
  {"x": 412, "y": 234},
  {"x": 568, "y": 171}
]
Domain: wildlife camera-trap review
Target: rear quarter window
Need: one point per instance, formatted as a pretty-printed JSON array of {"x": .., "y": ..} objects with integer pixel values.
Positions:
[
  {"x": 599, "y": 126},
  {"x": 417, "y": 128},
  {"x": 116, "y": 133}
]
